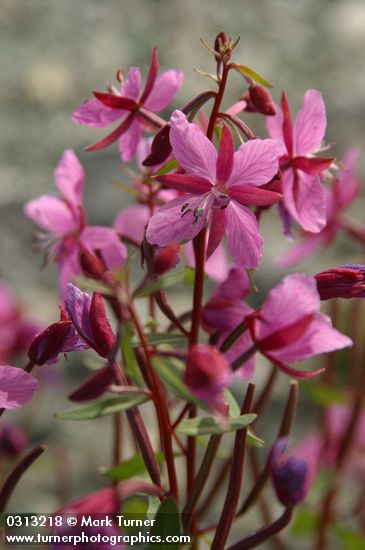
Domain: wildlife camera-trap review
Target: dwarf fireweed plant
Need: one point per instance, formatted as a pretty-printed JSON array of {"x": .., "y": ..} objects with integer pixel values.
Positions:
[{"x": 177, "y": 385}]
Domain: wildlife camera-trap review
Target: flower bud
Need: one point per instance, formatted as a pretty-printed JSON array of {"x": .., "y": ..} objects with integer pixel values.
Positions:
[
  {"x": 46, "y": 345},
  {"x": 261, "y": 100},
  {"x": 289, "y": 474},
  {"x": 346, "y": 281},
  {"x": 207, "y": 372},
  {"x": 12, "y": 441},
  {"x": 166, "y": 258},
  {"x": 92, "y": 265},
  {"x": 221, "y": 42},
  {"x": 103, "y": 336}
]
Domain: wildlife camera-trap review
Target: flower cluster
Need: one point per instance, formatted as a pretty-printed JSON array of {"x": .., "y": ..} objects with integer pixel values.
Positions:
[{"x": 202, "y": 182}]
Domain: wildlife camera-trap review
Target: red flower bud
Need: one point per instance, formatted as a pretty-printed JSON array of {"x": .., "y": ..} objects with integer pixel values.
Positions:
[
  {"x": 45, "y": 347},
  {"x": 160, "y": 148},
  {"x": 261, "y": 100},
  {"x": 103, "y": 337},
  {"x": 207, "y": 372},
  {"x": 165, "y": 259},
  {"x": 92, "y": 265},
  {"x": 221, "y": 41},
  {"x": 94, "y": 386},
  {"x": 345, "y": 281}
]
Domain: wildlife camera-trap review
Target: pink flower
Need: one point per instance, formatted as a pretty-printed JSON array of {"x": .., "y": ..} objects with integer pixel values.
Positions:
[
  {"x": 207, "y": 374},
  {"x": 289, "y": 327},
  {"x": 16, "y": 331},
  {"x": 16, "y": 387},
  {"x": 344, "y": 189},
  {"x": 64, "y": 220},
  {"x": 133, "y": 108},
  {"x": 304, "y": 196},
  {"x": 225, "y": 310},
  {"x": 218, "y": 188}
]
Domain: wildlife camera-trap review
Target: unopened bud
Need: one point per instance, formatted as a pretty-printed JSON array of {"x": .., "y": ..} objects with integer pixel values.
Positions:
[
  {"x": 46, "y": 346},
  {"x": 289, "y": 474},
  {"x": 207, "y": 372},
  {"x": 92, "y": 265},
  {"x": 344, "y": 281},
  {"x": 221, "y": 42},
  {"x": 166, "y": 258},
  {"x": 261, "y": 99}
]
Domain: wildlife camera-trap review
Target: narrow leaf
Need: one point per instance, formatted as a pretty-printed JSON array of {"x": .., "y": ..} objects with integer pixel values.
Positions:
[
  {"x": 253, "y": 75},
  {"x": 161, "y": 283},
  {"x": 210, "y": 425},
  {"x": 103, "y": 408},
  {"x": 167, "y": 524},
  {"x": 130, "y": 468},
  {"x": 130, "y": 361}
]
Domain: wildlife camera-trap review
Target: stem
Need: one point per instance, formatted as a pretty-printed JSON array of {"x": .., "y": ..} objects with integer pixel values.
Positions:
[
  {"x": 161, "y": 406},
  {"x": 233, "y": 336},
  {"x": 215, "y": 487},
  {"x": 13, "y": 478},
  {"x": 200, "y": 479},
  {"x": 264, "y": 534},
  {"x": 140, "y": 433},
  {"x": 265, "y": 394},
  {"x": 285, "y": 428},
  {"x": 235, "y": 479}
]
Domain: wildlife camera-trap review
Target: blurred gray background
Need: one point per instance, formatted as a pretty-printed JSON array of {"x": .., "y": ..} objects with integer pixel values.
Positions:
[{"x": 54, "y": 52}]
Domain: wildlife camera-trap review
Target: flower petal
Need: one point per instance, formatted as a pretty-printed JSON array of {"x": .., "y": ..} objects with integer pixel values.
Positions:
[
  {"x": 131, "y": 222},
  {"x": 94, "y": 114},
  {"x": 51, "y": 214},
  {"x": 193, "y": 150},
  {"x": 151, "y": 77},
  {"x": 310, "y": 124},
  {"x": 176, "y": 222},
  {"x": 69, "y": 178},
  {"x": 129, "y": 140},
  {"x": 16, "y": 387},
  {"x": 114, "y": 135},
  {"x": 217, "y": 228},
  {"x": 131, "y": 86},
  {"x": 225, "y": 156},
  {"x": 256, "y": 162},
  {"x": 250, "y": 195},
  {"x": 274, "y": 124},
  {"x": 321, "y": 337},
  {"x": 185, "y": 183},
  {"x": 106, "y": 241},
  {"x": 165, "y": 89},
  {"x": 278, "y": 311},
  {"x": 305, "y": 199},
  {"x": 310, "y": 243},
  {"x": 243, "y": 235},
  {"x": 78, "y": 305}
]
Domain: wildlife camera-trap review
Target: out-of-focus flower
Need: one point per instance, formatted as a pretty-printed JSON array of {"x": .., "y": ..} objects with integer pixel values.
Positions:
[
  {"x": 207, "y": 374},
  {"x": 289, "y": 474},
  {"x": 343, "y": 191},
  {"x": 16, "y": 387},
  {"x": 64, "y": 220},
  {"x": 218, "y": 188},
  {"x": 225, "y": 310},
  {"x": 344, "y": 281},
  {"x": 290, "y": 328},
  {"x": 16, "y": 331},
  {"x": 134, "y": 108},
  {"x": 304, "y": 196},
  {"x": 13, "y": 440}
]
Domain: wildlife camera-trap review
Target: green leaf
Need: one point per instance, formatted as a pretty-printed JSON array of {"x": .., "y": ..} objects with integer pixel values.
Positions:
[
  {"x": 350, "y": 539},
  {"x": 305, "y": 523},
  {"x": 156, "y": 338},
  {"x": 189, "y": 276},
  {"x": 325, "y": 396},
  {"x": 103, "y": 408},
  {"x": 253, "y": 75},
  {"x": 167, "y": 524},
  {"x": 135, "y": 507},
  {"x": 253, "y": 440},
  {"x": 130, "y": 361},
  {"x": 161, "y": 283},
  {"x": 91, "y": 285},
  {"x": 171, "y": 375},
  {"x": 211, "y": 426},
  {"x": 234, "y": 408},
  {"x": 135, "y": 466},
  {"x": 166, "y": 168}
]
